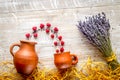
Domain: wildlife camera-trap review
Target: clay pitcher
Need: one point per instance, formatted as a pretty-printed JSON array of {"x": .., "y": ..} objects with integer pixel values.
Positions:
[
  {"x": 65, "y": 60},
  {"x": 25, "y": 59}
]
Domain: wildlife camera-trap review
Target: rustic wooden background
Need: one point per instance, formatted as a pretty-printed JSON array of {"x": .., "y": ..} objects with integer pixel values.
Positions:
[{"x": 17, "y": 17}]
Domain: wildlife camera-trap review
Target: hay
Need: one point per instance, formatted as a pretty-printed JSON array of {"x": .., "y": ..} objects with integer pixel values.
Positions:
[{"x": 88, "y": 71}]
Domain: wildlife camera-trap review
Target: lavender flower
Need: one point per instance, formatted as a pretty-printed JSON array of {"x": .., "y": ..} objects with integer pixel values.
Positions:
[{"x": 96, "y": 29}]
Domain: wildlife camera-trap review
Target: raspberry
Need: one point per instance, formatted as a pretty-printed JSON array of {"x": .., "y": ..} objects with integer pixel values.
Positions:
[
  {"x": 47, "y": 31},
  {"x": 42, "y": 26},
  {"x": 57, "y": 51},
  {"x": 55, "y": 29},
  {"x": 60, "y": 38},
  {"x": 52, "y": 36},
  {"x": 35, "y": 35},
  {"x": 48, "y": 25},
  {"x": 62, "y": 43},
  {"x": 27, "y": 35},
  {"x": 34, "y": 28},
  {"x": 62, "y": 49},
  {"x": 55, "y": 43}
]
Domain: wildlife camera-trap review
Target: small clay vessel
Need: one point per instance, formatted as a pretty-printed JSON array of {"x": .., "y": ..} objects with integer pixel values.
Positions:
[
  {"x": 65, "y": 60},
  {"x": 25, "y": 59}
]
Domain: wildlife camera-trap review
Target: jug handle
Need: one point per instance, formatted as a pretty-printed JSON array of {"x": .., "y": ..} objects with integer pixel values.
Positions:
[
  {"x": 75, "y": 59},
  {"x": 12, "y": 46}
]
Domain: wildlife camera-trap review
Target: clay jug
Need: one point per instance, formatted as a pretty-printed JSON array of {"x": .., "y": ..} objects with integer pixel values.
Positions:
[
  {"x": 65, "y": 60},
  {"x": 25, "y": 59}
]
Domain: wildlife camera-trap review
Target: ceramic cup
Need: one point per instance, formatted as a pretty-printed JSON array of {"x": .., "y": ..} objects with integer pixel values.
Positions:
[{"x": 65, "y": 60}]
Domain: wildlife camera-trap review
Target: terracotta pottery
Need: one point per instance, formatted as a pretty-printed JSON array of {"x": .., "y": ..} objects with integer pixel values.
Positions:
[
  {"x": 65, "y": 60},
  {"x": 25, "y": 59}
]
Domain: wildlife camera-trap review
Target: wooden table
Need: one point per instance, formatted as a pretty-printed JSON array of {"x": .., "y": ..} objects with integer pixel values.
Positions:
[{"x": 17, "y": 17}]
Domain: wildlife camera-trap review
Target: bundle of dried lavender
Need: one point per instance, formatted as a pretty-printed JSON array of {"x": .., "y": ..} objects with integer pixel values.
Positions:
[{"x": 96, "y": 29}]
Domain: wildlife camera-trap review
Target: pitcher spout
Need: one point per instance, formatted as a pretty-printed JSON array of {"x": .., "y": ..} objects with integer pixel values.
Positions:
[{"x": 27, "y": 41}]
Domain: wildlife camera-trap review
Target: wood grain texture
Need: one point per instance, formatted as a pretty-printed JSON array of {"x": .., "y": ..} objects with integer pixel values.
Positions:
[{"x": 17, "y": 18}]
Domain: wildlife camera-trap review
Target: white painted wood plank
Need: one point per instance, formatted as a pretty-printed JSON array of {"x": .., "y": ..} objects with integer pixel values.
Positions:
[{"x": 14, "y": 23}]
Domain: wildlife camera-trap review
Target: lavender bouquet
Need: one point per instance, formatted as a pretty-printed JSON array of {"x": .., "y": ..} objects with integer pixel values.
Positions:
[{"x": 96, "y": 29}]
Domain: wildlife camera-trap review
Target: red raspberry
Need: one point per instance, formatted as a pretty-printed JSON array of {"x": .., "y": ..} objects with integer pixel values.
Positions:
[
  {"x": 27, "y": 35},
  {"x": 52, "y": 36},
  {"x": 62, "y": 43},
  {"x": 55, "y": 43},
  {"x": 48, "y": 25},
  {"x": 47, "y": 31},
  {"x": 60, "y": 38},
  {"x": 35, "y": 35},
  {"x": 62, "y": 49},
  {"x": 42, "y": 26},
  {"x": 55, "y": 29},
  {"x": 34, "y": 28},
  {"x": 57, "y": 51}
]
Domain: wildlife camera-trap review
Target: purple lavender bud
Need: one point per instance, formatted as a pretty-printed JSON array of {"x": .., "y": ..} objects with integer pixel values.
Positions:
[{"x": 96, "y": 30}]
